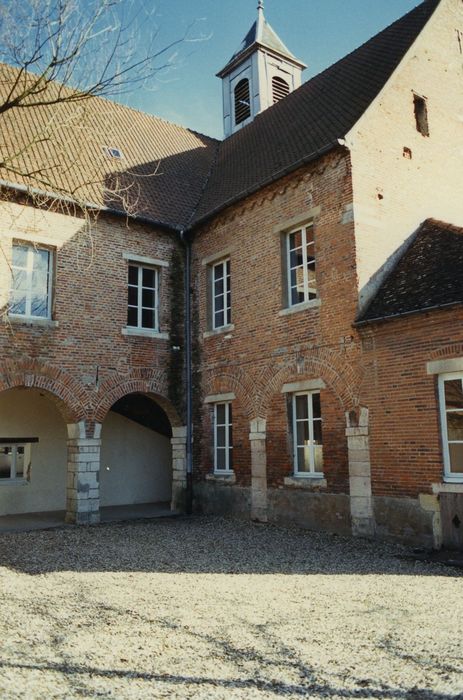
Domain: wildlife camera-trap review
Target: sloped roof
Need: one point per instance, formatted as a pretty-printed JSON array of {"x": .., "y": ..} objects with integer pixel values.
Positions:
[
  {"x": 427, "y": 275},
  {"x": 310, "y": 120},
  {"x": 160, "y": 176},
  {"x": 260, "y": 34}
]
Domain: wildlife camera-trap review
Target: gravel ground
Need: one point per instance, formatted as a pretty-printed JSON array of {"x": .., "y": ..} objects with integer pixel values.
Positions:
[{"x": 211, "y": 608}]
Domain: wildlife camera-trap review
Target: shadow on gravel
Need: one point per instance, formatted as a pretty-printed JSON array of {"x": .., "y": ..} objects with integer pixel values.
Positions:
[
  {"x": 364, "y": 689},
  {"x": 205, "y": 545}
]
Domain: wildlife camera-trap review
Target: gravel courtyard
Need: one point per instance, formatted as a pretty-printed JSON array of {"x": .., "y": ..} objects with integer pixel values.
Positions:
[{"x": 211, "y": 608}]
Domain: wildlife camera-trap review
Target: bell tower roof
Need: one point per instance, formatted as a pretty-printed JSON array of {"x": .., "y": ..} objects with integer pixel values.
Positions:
[{"x": 262, "y": 35}]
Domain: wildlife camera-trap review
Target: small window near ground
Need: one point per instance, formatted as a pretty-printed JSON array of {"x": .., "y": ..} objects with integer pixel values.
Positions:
[
  {"x": 421, "y": 114},
  {"x": 221, "y": 294},
  {"x": 32, "y": 280},
  {"x": 15, "y": 461},
  {"x": 300, "y": 261},
  {"x": 451, "y": 410},
  {"x": 242, "y": 101},
  {"x": 223, "y": 438},
  {"x": 280, "y": 89},
  {"x": 143, "y": 297},
  {"x": 307, "y": 434}
]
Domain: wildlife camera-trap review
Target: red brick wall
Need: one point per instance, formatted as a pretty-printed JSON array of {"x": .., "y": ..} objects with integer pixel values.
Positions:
[
  {"x": 405, "y": 441},
  {"x": 266, "y": 350}
]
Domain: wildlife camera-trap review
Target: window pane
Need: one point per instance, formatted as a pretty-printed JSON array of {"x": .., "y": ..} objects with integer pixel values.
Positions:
[
  {"x": 219, "y": 319},
  {"x": 227, "y": 267},
  {"x": 132, "y": 316},
  {"x": 18, "y": 304},
  {"x": 296, "y": 297},
  {"x": 302, "y": 409},
  {"x": 295, "y": 258},
  {"x": 148, "y": 277},
  {"x": 453, "y": 394},
  {"x": 316, "y": 408},
  {"x": 39, "y": 305},
  {"x": 133, "y": 274},
  {"x": 218, "y": 272},
  {"x": 302, "y": 429},
  {"x": 295, "y": 240},
  {"x": 19, "y": 281},
  {"x": 309, "y": 237},
  {"x": 148, "y": 298},
  {"x": 220, "y": 459},
  {"x": 5, "y": 462},
  {"x": 303, "y": 459},
  {"x": 317, "y": 432},
  {"x": 41, "y": 260},
  {"x": 456, "y": 458},
  {"x": 220, "y": 413},
  {"x": 133, "y": 296},
  {"x": 220, "y": 433},
  {"x": 318, "y": 456},
  {"x": 455, "y": 425},
  {"x": 147, "y": 318},
  {"x": 218, "y": 287},
  {"x": 19, "y": 255}
]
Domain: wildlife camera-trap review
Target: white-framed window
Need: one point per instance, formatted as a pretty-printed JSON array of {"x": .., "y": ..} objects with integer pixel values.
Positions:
[
  {"x": 307, "y": 434},
  {"x": 223, "y": 438},
  {"x": 15, "y": 461},
  {"x": 451, "y": 413},
  {"x": 300, "y": 265},
  {"x": 221, "y": 294},
  {"x": 32, "y": 281},
  {"x": 143, "y": 297}
]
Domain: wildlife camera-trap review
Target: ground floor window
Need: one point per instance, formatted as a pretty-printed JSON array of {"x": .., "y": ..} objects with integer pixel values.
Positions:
[
  {"x": 451, "y": 411},
  {"x": 223, "y": 438},
  {"x": 15, "y": 461},
  {"x": 307, "y": 434}
]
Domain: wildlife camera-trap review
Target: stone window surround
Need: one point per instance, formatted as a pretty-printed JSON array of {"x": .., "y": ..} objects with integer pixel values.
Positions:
[
  {"x": 208, "y": 262},
  {"x": 33, "y": 242},
  {"x": 141, "y": 260}
]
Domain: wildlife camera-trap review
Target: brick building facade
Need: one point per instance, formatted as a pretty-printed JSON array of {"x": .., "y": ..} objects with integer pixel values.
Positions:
[{"x": 285, "y": 398}]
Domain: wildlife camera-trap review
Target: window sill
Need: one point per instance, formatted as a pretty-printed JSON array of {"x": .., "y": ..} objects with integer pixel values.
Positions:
[
  {"x": 144, "y": 333},
  {"x": 219, "y": 331},
  {"x": 30, "y": 321},
  {"x": 448, "y": 486},
  {"x": 13, "y": 482},
  {"x": 221, "y": 477},
  {"x": 310, "y": 483},
  {"x": 313, "y": 304}
]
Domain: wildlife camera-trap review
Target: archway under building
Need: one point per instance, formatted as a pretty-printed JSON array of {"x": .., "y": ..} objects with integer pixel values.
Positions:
[{"x": 135, "y": 459}]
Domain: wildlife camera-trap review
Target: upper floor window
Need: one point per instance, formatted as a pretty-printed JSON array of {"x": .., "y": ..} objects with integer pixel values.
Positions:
[
  {"x": 280, "y": 88},
  {"x": 32, "y": 280},
  {"x": 143, "y": 297},
  {"x": 300, "y": 261},
  {"x": 242, "y": 101},
  {"x": 421, "y": 114},
  {"x": 223, "y": 437},
  {"x": 221, "y": 294},
  {"x": 307, "y": 434},
  {"x": 451, "y": 410}
]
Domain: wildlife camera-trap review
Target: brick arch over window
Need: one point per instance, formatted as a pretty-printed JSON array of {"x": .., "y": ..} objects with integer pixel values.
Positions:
[
  {"x": 237, "y": 383},
  {"x": 448, "y": 351},
  {"x": 153, "y": 387},
  {"x": 68, "y": 395},
  {"x": 341, "y": 380}
]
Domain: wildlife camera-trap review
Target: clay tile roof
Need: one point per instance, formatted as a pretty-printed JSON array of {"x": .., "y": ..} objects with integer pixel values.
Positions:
[
  {"x": 310, "y": 120},
  {"x": 426, "y": 276},
  {"x": 160, "y": 176}
]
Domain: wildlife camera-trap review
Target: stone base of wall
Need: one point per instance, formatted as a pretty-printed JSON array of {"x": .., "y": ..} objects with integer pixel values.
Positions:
[
  {"x": 325, "y": 512},
  {"x": 403, "y": 520},
  {"x": 215, "y": 498}
]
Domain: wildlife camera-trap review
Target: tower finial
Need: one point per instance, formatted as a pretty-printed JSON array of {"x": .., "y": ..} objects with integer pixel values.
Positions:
[{"x": 260, "y": 5}]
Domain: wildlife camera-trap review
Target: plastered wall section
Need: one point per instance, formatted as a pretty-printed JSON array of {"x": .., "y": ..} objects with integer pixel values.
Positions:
[
  {"x": 136, "y": 463},
  {"x": 392, "y": 193}
]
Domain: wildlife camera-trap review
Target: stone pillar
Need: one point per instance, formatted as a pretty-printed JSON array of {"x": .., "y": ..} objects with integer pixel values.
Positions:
[
  {"x": 178, "y": 442},
  {"x": 83, "y": 478},
  {"x": 361, "y": 501},
  {"x": 257, "y": 437}
]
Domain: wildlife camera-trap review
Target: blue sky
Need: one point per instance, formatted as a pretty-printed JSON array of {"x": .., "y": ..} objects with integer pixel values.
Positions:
[{"x": 319, "y": 32}]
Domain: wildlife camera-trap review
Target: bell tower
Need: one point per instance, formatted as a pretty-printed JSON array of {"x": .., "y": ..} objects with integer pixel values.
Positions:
[{"x": 260, "y": 73}]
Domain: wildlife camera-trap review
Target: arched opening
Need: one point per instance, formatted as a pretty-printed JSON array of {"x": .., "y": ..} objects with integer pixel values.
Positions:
[
  {"x": 242, "y": 101},
  {"x": 33, "y": 453},
  {"x": 136, "y": 453},
  {"x": 280, "y": 89}
]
